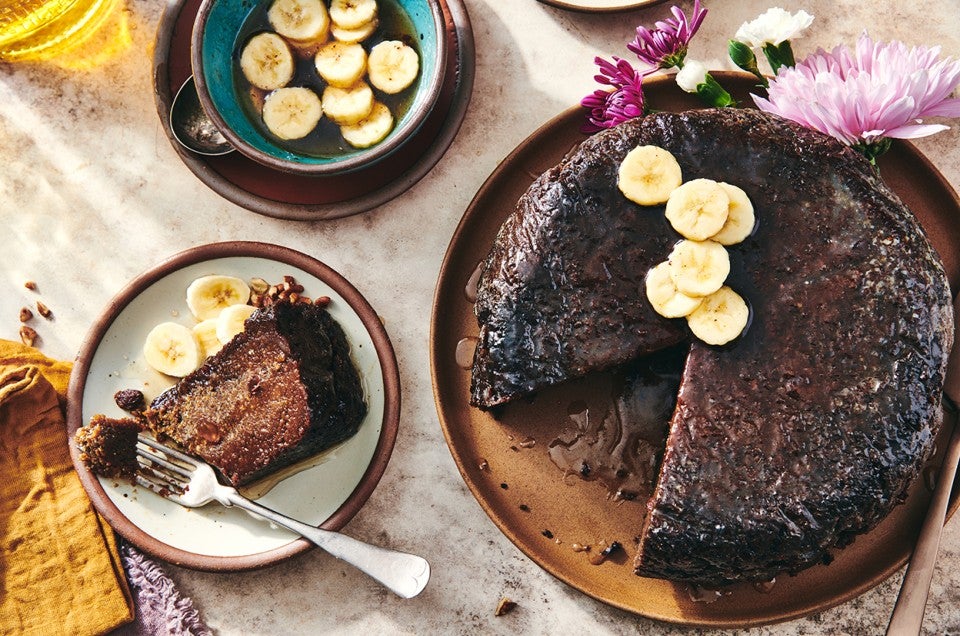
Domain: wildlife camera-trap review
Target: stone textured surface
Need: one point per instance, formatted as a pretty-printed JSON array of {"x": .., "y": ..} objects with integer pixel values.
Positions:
[{"x": 91, "y": 194}]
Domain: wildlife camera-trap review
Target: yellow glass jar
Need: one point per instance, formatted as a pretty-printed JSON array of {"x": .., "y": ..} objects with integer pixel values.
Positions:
[{"x": 44, "y": 29}]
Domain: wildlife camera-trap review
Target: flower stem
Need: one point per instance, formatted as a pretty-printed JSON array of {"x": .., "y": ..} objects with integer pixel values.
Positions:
[{"x": 873, "y": 150}]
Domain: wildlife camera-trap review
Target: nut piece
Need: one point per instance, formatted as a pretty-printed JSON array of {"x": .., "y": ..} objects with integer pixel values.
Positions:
[
  {"x": 44, "y": 310},
  {"x": 25, "y": 314},
  {"x": 32, "y": 286},
  {"x": 129, "y": 399},
  {"x": 505, "y": 606},
  {"x": 28, "y": 335}
]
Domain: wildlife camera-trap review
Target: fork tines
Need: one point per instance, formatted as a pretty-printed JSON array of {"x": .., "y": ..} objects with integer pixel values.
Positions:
[{"x": 163, "y": 470}]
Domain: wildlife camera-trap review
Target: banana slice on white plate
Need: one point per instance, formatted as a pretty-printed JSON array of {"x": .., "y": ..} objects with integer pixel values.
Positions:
[
  {"x": 352, "y": 14},
  {"x": 266, "y": 61},
  {"x": 698, "y": 209},
  {"x": 231, "y": 320},
  {"x": 205, "y": 332},
  {"x": 347, "y": 106},
  {"x": 392, "y": 66},
  {"x": 648, "y": 174},
  {"x": 341, "y": 64},
  {"x": 370, "y": 130},
  {"x": 303, "y": 21},
  {"x": 172, "y": 349},
  {"x": 667, "y": 300},
  {"x": 292, "y": 112},
  {"x": 207, "y": 296},
  {"x": 699, "y": 268},
  {"x": 721, "y": 317},
  {"x": 740, "y": 217},
  {"x": 358, "y": 34}
]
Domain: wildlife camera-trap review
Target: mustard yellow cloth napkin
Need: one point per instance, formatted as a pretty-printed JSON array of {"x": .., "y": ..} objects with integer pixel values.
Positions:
[{"x": 60, "y": 571}]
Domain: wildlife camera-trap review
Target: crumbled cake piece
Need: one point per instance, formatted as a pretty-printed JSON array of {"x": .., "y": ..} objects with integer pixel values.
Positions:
[{"x": 108, "y": 446}]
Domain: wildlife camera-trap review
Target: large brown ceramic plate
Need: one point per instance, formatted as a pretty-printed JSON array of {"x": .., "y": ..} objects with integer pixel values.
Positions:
[
  {"x": 601, "y": 6},
  {"x": 327, "y": 493},
  {"x": 505, "y": 463}
]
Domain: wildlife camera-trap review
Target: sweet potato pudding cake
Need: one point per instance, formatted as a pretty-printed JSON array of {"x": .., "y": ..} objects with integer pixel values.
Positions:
[
  {"x": 800, "y": 433},
  {"x": 281, "y": 390}
]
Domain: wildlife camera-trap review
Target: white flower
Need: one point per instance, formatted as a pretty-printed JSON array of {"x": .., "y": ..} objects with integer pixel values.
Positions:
[
  {"x": 773, "y": 27},
  {"x": 691, "y": 75}
]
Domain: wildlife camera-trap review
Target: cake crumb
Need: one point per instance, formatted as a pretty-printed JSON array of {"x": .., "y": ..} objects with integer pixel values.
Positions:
[{"x": 505, "y": 606}]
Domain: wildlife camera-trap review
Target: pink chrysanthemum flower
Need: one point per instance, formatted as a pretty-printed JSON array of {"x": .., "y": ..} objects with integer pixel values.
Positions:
[
  {"x": 622, "y": 101},
  {"x": 866, "y": 97},
  {"x": 665, "y": 46}
]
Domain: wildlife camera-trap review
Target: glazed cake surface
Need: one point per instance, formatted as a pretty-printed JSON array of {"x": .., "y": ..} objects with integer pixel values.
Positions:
[
  {"x": 283, "y": 389},
  {"x": 806, "y": 430}
]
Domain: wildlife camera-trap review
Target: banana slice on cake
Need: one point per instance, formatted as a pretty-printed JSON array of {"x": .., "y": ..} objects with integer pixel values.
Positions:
[
  {"x": 205, "y": 332},
  {"x": 266, "y": 61},
  {"x": 348, "y": 106},
  {"x": 699, "y": 268},
  {"x": 207, "y": 296},
  {"x": 370, "y": 130},
  {"x": 230, "y": 321},
  {"x": 392, "y": 66},
  {"x": 341, "y": 63},
  {"x": 352, "y": 14},
  {"x": 292, "y": 113},
  {"x": 300, "y": 20},
  {"x": 698, "y": 209},
  {"x": 358, "y": 34},
  {"x": 721, "y": 317},
  {"x": 648, "y": 174},
  {"x": 667, "y": 300},
  {"x": 740, "y": 217},
  {"x": 172, "y": 349}
]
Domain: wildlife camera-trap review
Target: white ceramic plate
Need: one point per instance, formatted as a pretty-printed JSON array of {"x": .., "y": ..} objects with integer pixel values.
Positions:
[{"x": 215, "y": 537}]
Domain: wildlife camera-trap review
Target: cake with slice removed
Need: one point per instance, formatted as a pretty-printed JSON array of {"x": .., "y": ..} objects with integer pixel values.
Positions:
[{"x": 800, "y": 434}]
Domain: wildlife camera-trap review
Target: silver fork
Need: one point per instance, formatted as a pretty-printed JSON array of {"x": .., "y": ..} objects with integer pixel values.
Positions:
[{"x": 192, "y": 483}]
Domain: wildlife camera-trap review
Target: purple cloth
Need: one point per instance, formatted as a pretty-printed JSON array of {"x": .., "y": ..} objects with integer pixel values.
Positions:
[{"x": 160, "y": 608}]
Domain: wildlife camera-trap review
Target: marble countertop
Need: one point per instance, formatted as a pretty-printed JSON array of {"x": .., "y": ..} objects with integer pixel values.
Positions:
[{"x": 92, "y": 194}]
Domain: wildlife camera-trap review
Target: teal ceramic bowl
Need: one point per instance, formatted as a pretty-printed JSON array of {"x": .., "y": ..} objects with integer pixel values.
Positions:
[{"x": 218, "y": 38}]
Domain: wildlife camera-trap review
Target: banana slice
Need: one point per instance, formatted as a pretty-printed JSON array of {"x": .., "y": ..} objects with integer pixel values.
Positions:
[
  {"x": 352, "y": 14},
  {"x": 205, "y": 332},
  {"x": 740, "y": 217},
  {"x": 666, "y": 299},
  {"x": 341, "y": 63},
  {"x": 392, "y": 66},
  {"x": 300, "y": 20},
  {"x": 292, "y": 113},
  {"x": 347, "y": 106},
  {"x": 720, "y": 318},
  {"x": 207, "y": 296},
  {"x": 648, "y": 174},
  {"x": 358, "y": 34},
  {"x": 171, "y": 349},
  {"x": 698, "y": 209},
  {"x": 266, "y": 61},
  {"x": 230, "y": 321},
  {"x": 371, "y": 130},
  {"x": 699, "y": 268}
]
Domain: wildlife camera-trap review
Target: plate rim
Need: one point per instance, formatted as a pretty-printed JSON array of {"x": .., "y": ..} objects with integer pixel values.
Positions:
[
  {"x": 608, "y": 7},
  {"x": 198, "y": 254},
  {"x": 560, "y": 120}
]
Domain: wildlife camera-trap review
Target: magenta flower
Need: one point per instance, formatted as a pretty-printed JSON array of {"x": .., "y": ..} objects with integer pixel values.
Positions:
[
  {"x": 665, "y": 46},
  {"x": 622, "y": 101},
  {"x": 865, "y": 97}
]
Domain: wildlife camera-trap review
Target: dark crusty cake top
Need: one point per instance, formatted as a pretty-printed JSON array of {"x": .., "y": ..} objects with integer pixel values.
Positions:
[{"x": 794, "y": 437}]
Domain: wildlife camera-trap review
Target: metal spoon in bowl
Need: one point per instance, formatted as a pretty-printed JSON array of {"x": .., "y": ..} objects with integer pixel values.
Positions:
[{"x": 192, "y": 127}]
